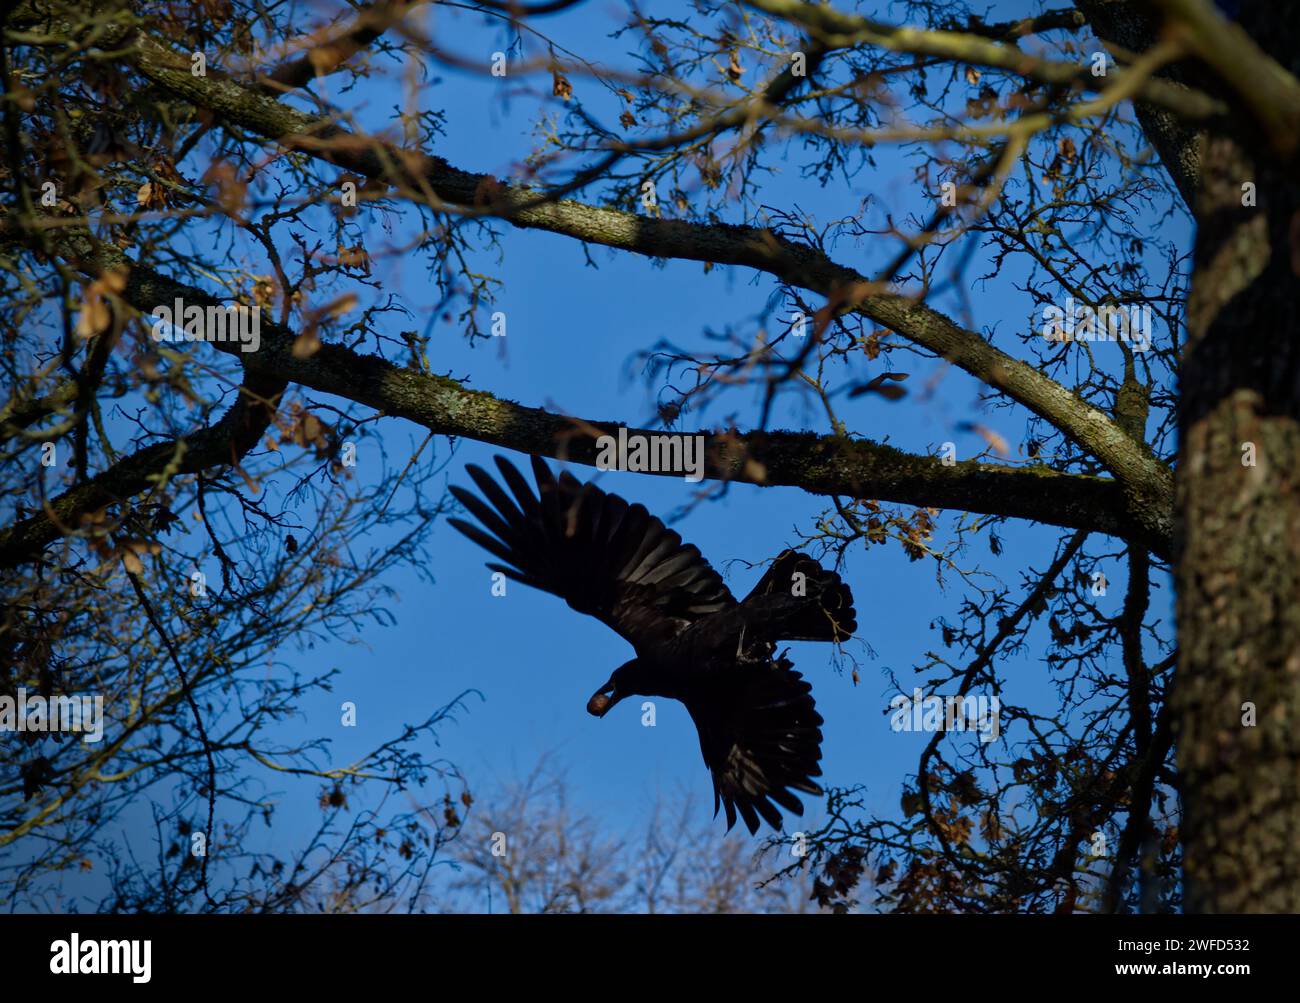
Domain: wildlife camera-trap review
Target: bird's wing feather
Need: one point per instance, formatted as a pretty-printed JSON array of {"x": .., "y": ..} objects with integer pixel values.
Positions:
[
  {"x": 603, "y": 556},
  {"x": 760, "y": 734}
]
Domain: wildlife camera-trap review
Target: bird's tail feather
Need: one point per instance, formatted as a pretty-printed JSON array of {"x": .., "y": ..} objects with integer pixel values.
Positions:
[{"x": 799, "y": 600}]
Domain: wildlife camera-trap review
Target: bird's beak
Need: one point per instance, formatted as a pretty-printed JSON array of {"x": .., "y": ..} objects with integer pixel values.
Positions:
[{"x": 603, "y": 699}]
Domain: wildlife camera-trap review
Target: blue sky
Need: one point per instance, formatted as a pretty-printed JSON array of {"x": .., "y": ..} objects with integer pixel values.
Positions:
[{"x": 571, "y": 332}]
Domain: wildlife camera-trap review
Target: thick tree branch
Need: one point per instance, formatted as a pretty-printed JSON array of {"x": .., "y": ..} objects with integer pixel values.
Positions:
[
  {"x": 829, "y": 465},
  {"x": 836, "y": 29},
  {"x": 20, "y": 413},
  {"x": 221, "y": 444},
  {"x": 1123, "y": 24},
  {"x": 1264, "y": 87},
  {"x": 1146, "y": 481},
  {"x": 329, "y": 47}
]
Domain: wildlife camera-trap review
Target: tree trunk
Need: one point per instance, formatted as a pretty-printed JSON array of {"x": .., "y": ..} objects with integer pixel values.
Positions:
[{"x": 1236, "y": 698}]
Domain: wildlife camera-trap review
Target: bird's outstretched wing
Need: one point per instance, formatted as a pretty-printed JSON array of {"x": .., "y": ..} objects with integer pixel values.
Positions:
[
  {"x": 601, "y": 555},
  {"x": 761, "y": 737}
]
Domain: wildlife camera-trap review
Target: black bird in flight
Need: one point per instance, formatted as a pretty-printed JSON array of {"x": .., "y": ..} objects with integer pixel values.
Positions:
[{"x": 760, "y": 732}]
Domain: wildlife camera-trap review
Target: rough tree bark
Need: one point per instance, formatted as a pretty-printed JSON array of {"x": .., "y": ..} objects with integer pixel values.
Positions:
[
  {"x": 1235, "y": 707},
  {"x": 1237, "y": 548}
]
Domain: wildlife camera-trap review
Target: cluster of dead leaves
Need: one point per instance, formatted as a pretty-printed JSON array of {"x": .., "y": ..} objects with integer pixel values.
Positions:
[
  {"x": 988, "y": 103},
  {"x": 160, "y": 194},
  {"x": 231, "y": 189},
  {"x": 96, "y": 314},
  {"x": 840, "y": 875},
  {"x": 355, "y": 257},
  {"x": 918, "y": 531},
  {"x": 130, "y": 552},
  {"x": 886, "y": 385},
  {"x": 263, "y": 292},
  {"x": 627, "y": 119},
  {"x": 871, "y": 344},
  {"x": 734, "y": 70},
  {"x": 995, "y": 440},
  {"x": 1066, "y": 156},
  {"x": 450, "y": 816},
  {"x": 308, "y": 342},
  {"x": 303, "y": 428},
  {"x": 913, "y": 530},
  {"x": 560, "y": 85}
]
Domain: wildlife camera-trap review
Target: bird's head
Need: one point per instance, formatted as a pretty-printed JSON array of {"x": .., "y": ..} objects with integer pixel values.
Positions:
[{"x": 621, "y": 684}]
